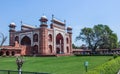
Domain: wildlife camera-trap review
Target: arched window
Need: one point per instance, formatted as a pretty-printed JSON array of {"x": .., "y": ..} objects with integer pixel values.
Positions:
[
  {"x": 50, "y": 37},
  {"x": 35, "y": 49},
  {"x": 17, "y": 39},
  {"x": 50, "y": 48},
  {"x": 67, "y": 40},
  {"x": 67, "y": 49},
  {"x": 35, "y": 37}
]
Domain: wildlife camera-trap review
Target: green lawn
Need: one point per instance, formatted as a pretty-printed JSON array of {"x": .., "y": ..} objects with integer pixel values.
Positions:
[{"x": 54, "y": 65}]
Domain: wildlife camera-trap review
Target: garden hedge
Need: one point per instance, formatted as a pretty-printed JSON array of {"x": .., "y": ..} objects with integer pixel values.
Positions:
[{"x": 110, "y": 67}]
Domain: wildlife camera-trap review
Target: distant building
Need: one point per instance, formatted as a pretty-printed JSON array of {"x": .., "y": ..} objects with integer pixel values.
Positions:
[{"x": 39, "y": 40}]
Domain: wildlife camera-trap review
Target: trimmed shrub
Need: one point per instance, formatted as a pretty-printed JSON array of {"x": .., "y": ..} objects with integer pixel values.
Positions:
[{"x": 110, "y": 67}]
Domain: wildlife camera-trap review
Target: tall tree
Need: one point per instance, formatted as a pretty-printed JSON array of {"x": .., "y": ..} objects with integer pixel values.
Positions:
[
  {"x": 111, "y": 42},
  {"x": 100, "y": 36}
]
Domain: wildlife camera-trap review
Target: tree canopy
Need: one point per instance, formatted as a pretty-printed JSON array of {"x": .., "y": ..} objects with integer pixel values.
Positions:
[{"x": 100, "y": 36}]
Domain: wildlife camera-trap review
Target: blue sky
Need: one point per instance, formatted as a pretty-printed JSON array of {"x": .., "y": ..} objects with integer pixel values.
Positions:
[{"x": 77, "y": 13}]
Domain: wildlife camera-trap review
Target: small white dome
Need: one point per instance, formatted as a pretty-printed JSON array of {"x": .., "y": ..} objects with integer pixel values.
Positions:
[
  {"x": 69, "y": 27},
  {"x": 12, "y": 23},
  {"x": 43, "y": 17}
]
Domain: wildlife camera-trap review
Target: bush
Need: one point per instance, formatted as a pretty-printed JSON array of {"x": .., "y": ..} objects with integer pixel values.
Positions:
[
  {"x": 115, "y": 56},
  {"x": 110, "y": 59},
  {"x": 110, "y": 67}
]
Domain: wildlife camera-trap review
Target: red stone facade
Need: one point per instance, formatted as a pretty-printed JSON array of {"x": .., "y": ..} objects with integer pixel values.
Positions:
[{"x": 40, "y": 40}]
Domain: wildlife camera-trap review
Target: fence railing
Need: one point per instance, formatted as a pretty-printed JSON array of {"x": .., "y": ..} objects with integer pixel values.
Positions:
[{"x": 16, "y": 72}]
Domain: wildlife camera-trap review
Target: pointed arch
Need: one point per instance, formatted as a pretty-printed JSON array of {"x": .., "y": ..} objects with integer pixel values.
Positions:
[
  {"x": 59, "y": 38},
  {"x": 26, "y": 41},
  {"x": 59, "y": 43}
]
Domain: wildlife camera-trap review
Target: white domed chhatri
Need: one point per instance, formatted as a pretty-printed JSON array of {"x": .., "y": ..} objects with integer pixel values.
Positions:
[
  {"x": 43, "y": 17},
  {"x": 12, "y": 24},
  {"x": 69, "y": 27}
]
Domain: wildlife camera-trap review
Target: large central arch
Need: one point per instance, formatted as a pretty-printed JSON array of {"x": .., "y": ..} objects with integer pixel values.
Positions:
[
  {"x": 59, "y": 44},
  {"x": 26, "y": 41}
]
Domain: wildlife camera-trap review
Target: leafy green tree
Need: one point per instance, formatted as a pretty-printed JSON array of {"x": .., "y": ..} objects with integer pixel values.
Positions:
[
  {"x": 110, "y": 43},
  {"x": 119, "y": 44},
  {"x": 73, "y": 46},
  {"x": 100, "y": 36}
]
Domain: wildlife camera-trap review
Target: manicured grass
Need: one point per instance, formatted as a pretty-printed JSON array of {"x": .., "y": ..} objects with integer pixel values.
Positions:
[{"x": 54, "y": 65}]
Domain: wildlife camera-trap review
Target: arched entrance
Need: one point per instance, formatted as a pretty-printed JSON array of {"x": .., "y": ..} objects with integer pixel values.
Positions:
[
  {"x": 7, "y": 53},
  {"x": 59, "y": 44},
  {"x": 13, "y": 53},
  {"x": 1, "y": 53},
  {"x": 26, "y": 41}
]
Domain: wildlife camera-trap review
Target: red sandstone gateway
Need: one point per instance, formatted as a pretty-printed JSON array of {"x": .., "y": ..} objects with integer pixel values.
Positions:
[{"x": 39, "y": 40}]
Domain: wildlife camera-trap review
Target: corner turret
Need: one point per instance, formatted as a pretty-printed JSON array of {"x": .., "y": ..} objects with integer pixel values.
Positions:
[
  {"x": 43, "y": 21},
  {"x": 11, "y": 33},
  {"x": 12, "y": 27}
]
